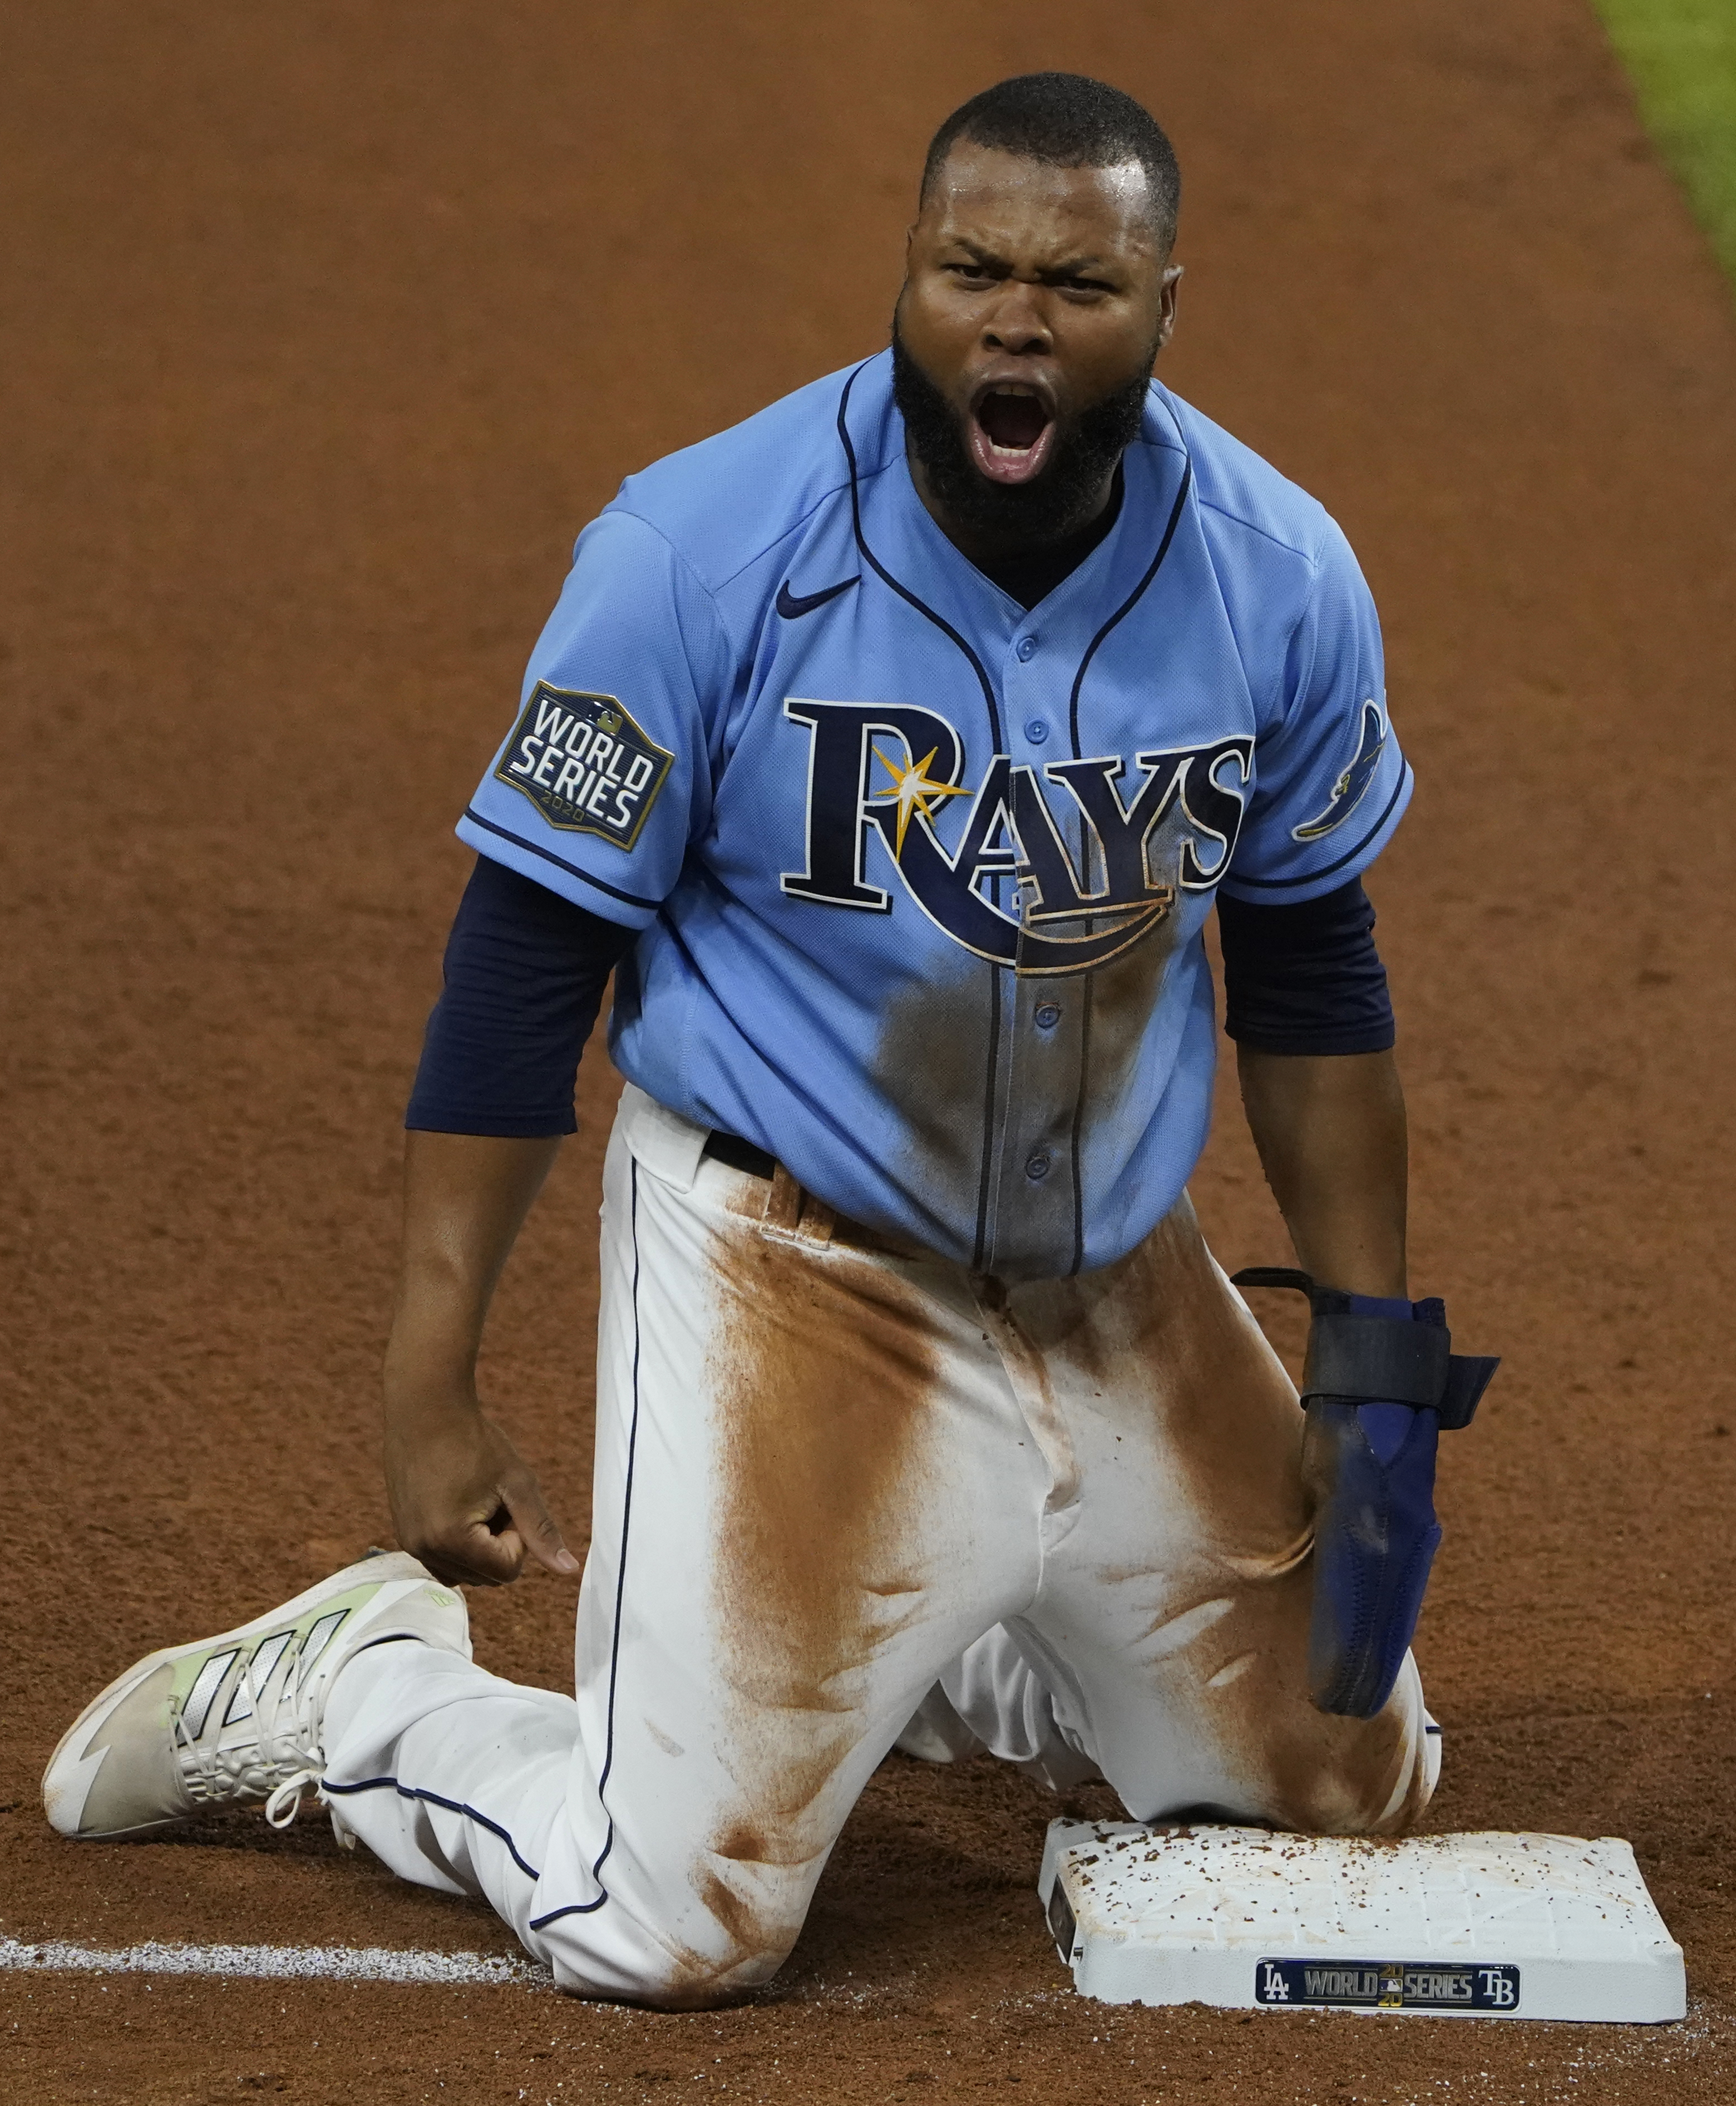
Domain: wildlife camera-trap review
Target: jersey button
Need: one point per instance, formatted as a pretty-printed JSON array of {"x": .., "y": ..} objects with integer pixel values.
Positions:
[
  {"x": 1036, "y": 731},
  {"x": 1038, "y": 1166},
  {"x": 1027, "y": 649},
  {"x": 1048, "y": 1015}
]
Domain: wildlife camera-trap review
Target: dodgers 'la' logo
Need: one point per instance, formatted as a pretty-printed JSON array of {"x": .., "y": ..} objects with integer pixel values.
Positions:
[{"x": 893, "y": 770}]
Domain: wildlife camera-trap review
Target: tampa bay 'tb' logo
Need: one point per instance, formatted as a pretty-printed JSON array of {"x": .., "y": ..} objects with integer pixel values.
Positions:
[{"x": 893, "y": 769}]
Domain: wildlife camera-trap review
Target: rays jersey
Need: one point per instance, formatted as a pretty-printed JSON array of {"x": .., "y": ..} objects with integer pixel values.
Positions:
[{"x": 922, "y": 875}]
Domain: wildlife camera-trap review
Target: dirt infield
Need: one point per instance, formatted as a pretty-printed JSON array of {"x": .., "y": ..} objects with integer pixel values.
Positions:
[{"x": 325, "y": 328}]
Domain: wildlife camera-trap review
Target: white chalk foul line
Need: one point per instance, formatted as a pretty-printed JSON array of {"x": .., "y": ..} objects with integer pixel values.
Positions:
[{"x": 273, "y": 1963}]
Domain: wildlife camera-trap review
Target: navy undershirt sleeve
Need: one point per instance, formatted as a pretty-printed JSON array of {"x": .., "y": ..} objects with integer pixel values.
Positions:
[
  {"x": 525, "y": 972},
  {"x": 1305, "y": 978}
]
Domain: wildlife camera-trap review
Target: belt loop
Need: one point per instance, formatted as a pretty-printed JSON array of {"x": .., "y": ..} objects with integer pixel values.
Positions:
[
  {"x": 792, "y": 1215},
  {"x": 783, "y": 1212}
]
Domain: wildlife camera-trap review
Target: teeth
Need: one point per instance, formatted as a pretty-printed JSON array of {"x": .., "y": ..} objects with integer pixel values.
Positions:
[{"x": 1012, "y": 388}]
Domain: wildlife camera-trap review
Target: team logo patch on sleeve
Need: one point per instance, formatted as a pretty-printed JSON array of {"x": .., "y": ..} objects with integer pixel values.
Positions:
[
  {"x": 1352, "y": 786},
  {"x": 585, "y": 765}
]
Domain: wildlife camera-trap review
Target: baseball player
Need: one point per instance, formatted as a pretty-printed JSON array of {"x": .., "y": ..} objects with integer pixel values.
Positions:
[{"x": 892, "y": 750}]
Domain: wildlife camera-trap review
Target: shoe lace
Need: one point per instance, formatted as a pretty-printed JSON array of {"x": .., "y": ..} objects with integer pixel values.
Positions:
[
  {"x": 283, "y": 1747},
  {"x": 287, "y": 1800}
]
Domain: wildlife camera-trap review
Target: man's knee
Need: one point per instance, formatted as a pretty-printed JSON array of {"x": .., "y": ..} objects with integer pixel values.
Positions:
[
  {"x": 1387, "y": 1767},
  {"x": 665, "y": 1981},
  {"x": 720, "y": 1949}
]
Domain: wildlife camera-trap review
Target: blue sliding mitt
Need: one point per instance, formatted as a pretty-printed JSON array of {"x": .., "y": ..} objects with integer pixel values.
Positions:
[{"x": 1380, "y": 1384}]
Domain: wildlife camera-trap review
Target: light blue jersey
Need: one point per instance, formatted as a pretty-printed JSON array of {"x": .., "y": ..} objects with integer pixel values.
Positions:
[{"x": 922, "y": 875}]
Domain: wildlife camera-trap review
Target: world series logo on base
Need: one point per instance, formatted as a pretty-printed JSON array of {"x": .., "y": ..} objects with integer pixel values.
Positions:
[{"x": 1372, "y": 1986}]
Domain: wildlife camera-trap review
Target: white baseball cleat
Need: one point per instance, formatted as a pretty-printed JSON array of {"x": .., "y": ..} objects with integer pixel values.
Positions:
[{"x": 237, "y": 1720}]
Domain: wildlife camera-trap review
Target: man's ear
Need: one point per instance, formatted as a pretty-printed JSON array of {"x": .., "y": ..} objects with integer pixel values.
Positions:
[{"x": 1166, "y": 304}]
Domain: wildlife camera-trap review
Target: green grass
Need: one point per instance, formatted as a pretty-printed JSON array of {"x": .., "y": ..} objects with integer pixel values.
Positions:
[{"x": 1682, "y": 56}]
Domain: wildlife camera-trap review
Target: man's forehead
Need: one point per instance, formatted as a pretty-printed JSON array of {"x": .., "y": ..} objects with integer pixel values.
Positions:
[{"x": 982, "y": 194}]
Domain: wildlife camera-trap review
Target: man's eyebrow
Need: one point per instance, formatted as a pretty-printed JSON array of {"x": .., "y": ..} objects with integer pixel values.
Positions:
[
  {"x": 976, "y": 248},
  {"x": 1070, "y": 267}
]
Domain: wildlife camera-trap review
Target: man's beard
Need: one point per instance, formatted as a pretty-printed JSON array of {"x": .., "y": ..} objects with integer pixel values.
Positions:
[{"x": 1020, "y": 515}]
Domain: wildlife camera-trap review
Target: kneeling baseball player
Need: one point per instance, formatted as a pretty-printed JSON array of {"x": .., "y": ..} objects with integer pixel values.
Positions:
[{"x": 892, "y": 750}]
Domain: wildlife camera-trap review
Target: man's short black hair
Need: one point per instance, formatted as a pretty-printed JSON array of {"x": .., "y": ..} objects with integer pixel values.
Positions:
[{"x": 1071, "y": 122}]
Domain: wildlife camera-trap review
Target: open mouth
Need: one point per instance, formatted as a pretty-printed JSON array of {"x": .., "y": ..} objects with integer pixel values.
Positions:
[{"x": 1010, "y": 429}]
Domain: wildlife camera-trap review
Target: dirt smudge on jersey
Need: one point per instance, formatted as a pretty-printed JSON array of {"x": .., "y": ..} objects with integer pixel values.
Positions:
[
  {"x": 1063, "y": 1080},
  {"x": 1120, "y": 1000},
  {"x": 933, "y": 1065},
  {"x": 824, "y": 1374},
  {"x": 968, "y": 1069}
]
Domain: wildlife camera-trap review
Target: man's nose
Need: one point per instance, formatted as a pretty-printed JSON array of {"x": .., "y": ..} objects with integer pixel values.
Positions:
[{"x": 1017, "y": 324}]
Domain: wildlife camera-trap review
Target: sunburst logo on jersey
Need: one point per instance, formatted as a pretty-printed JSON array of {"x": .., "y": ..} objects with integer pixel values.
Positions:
[{"x": 912, "y": 790}]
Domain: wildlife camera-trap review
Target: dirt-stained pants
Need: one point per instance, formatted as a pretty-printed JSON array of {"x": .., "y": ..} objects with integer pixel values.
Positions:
[{"x": 828, "y": 1479}]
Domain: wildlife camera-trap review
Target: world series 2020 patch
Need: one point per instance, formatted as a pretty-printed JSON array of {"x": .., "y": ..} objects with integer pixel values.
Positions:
[{"x": 585, "y": 764}]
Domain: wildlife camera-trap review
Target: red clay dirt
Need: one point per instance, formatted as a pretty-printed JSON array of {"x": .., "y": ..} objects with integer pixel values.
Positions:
[{"x": 326, "y": 328}]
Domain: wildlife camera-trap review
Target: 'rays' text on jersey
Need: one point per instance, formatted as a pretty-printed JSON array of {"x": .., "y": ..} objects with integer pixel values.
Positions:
[
  {"x": 1051, "y": 871},
  {"x": 584, "y": 764}
]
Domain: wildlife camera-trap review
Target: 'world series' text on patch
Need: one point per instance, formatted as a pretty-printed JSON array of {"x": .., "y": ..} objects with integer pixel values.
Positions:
[{"x": 585, "y": 765}]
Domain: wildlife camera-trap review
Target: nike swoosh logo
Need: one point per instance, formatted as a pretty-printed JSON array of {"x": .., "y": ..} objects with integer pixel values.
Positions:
[{"x": 793, "y": 606}]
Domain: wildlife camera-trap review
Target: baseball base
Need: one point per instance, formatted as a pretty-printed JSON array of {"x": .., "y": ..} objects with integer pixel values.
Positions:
[{"x": 1477, "y": 1925}]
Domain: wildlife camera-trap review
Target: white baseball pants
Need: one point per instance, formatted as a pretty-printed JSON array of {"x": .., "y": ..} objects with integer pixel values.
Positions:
[{"x": 843, "y": 1495}]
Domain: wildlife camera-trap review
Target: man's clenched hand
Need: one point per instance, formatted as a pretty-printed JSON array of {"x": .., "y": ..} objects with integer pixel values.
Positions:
[{"x": 464, "y": 1501}]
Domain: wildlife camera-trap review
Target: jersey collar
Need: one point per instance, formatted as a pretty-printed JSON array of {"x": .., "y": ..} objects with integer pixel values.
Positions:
[{"x": 902, "y": 546}]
